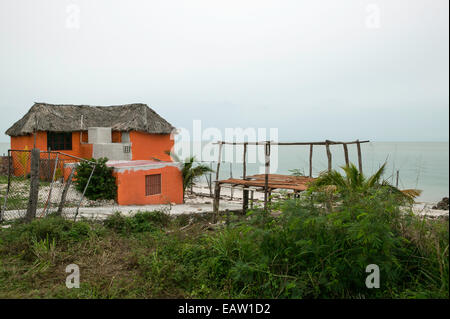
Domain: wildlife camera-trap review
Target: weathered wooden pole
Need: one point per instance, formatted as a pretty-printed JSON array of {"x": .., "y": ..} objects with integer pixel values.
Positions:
[
  {"x": 34, "y": 185},
  {"x": 266, "y": 175},
  {"x": 347, "y": 162},
  {"x": 217, "y": 187},
  {"x": 231, "y": 176},
  {"x": 327, "y": 145},
  {"x": 210, "y": 181},
  {"x": 49, "y": 198},
  {"x": 84, "y": 192},
  {"x": 358, "y": 144},
  {"x": 396, "y": 180},
  {"x": 310, "y": 159},
  {"x": 244, "y": 176},
  {"x": 5, "y": 200},
  {"x": 64, "y": 193}
]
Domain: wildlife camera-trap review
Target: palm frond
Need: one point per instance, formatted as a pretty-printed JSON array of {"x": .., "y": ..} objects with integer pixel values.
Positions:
[{"x": 375, "y": 178}]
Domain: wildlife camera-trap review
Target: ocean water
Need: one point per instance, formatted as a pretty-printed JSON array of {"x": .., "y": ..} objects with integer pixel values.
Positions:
[{"x": 422, "y": 165}]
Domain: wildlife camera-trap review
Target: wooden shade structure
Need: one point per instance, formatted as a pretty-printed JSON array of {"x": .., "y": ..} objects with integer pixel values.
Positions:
[{"x": 268, "y": 182}]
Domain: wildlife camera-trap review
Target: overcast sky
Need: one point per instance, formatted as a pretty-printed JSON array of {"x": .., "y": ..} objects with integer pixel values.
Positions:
[{"x": 313, "y": 69}]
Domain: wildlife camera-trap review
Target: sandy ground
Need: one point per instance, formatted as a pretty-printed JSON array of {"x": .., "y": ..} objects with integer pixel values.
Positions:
[{"x": 231, "y": 199}]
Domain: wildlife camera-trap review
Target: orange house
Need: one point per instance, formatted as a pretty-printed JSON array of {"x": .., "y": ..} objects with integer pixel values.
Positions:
[
  {"x": 121, "y": 133},
  {"x": 147, "y": 182}
]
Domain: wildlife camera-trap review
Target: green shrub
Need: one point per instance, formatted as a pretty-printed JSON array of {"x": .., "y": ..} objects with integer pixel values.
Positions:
[
  {"x": 102, "y": 184},
  {"x": 138, "y": 223},
  {"x": 21, "y": 237}
]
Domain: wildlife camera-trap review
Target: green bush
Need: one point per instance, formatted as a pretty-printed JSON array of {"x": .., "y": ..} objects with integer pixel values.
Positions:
[
  {"x": 102, "y": 184},
  {"x": 138, "y": 223},
  {"x": 309, "y": 251},
  {"x": 21, "y": 236}
]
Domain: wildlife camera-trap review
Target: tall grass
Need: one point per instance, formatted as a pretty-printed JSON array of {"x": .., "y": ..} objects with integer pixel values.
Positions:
[{"x": 305, "y": 252}]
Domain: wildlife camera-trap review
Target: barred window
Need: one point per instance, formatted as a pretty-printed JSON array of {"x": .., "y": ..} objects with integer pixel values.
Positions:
[
  {"x": 152, "y": 184},
  {"x": 59, "y": 141}
]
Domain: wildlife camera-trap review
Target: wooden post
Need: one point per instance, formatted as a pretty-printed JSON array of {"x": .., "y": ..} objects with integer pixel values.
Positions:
[
  {"x": 64, "y": 193},
  {"x": 252, "y": 196},
  {"x": 217, "y": 187},
  {"x": 35, "y": 130},
  {"x": 34, "y": 185},
  {"x": 244, "y": 201},
  {"x": 396, "y": 180},
  {"x": 216, "y": 202},
  {"x": 347, "y": 162},
  {"x": 358, "y": 144},
  {"x": 84, "y": 192},
  {"x": 267, "y": 171},
  {"x": 327, "y": 145},
  {"x": 49, "y": 166},
  {"x": 231, "y": 176},
  {"x": 310, "y": 159},
  {"x": 244, "y": 176},
  {"x": 244, "y": 165},
  {"x": 5, "y": 199},
  {"x": 210, "y": 181},
  {"x": 49, "y": 198}
]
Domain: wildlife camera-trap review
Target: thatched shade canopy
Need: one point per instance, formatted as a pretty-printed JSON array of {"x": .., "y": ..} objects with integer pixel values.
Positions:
[{"x": 69, "y": 118}]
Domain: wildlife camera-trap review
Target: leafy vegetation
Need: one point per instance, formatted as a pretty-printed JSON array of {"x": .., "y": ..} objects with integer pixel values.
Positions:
[
  {"x": 190, "y": 171},
  {"x": 102, "y": 184},
  {"x": 354, "y": 184},
  {"x": 305, "y": 252},
  {"x": 297, "y": 172}
]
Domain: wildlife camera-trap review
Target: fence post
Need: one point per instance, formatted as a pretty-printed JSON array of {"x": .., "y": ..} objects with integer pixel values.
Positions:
[
  {"x": 49, "y": 198},
  {"x": 2, "y": 211},
  {"x": 210, "y": 181},
  {"x": 358, "y": 144},
  {"x": 34, "y": 185},
  {"x": 327, "y": 145},
  {"x": 244, "y": 176},
  {"x": 64, "y": 193},
  {"x": 266, "y": 175},
  {"x": 217, "y": 187},
  {"x": 84, "y": 191}
]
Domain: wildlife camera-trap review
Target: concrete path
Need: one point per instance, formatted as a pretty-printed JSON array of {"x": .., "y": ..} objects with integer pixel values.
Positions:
[{"x": 104, "y": 211}]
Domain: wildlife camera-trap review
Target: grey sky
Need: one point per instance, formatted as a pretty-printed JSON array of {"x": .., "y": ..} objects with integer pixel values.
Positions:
[{"x": 311, "y": 68}]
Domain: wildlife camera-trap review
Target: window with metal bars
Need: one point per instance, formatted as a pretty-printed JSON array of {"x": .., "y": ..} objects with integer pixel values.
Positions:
[
  {"x": 152, "y": 184},
  {"x": 59, "y": 141}
]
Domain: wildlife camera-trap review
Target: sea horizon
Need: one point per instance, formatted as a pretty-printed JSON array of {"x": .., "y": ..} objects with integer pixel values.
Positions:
[{"x": 421, "y": 165}]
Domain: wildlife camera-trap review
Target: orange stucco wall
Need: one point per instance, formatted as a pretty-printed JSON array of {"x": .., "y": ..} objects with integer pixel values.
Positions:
[
  {"x": 131, "y": 186},
  {"x": 21, "y": 163},
  {"x": 146, "y": 146},
  {"x": 78, "y": 149}
]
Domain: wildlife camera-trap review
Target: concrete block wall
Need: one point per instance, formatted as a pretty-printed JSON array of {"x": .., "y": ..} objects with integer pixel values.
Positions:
[
  {"x": 112, "y": 151},
  {"x": 97, "y": 135}
]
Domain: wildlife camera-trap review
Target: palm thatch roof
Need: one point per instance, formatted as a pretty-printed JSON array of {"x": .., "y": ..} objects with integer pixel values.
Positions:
[{"x": 69, "y": 118}]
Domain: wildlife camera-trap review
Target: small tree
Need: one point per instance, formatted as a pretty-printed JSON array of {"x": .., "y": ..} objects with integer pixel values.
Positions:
[
  {"x": 354, "y": 183},
  {"x": 102, "y": 184},
  {"x": 189, "y": 171}
]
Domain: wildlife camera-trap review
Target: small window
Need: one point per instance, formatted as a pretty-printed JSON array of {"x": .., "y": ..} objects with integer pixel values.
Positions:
[
  {"x": 152, "y": 184},
  {"x": 59, "y": 141}
]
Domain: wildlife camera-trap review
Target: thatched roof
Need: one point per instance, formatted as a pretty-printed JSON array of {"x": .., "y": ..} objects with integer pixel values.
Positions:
[{"x": 69, "y": 118}]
